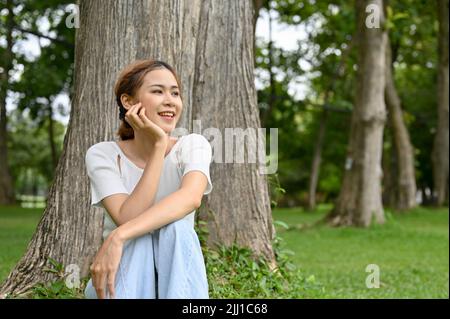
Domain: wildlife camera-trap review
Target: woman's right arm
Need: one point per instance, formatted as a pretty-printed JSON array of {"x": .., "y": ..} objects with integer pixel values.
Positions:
[{"x": 123, "y": 207}]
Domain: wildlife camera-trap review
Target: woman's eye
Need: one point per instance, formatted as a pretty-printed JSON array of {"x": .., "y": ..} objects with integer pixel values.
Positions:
[
  {"x": 176, "y": 93},
  {"x": 157, "y": 91}
]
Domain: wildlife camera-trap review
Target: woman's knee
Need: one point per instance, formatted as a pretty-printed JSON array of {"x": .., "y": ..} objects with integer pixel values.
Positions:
[{"x": 177, "y": 228}]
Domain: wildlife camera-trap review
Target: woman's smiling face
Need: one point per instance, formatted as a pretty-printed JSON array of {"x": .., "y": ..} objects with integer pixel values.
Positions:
[{"x": 160, "y": 96}]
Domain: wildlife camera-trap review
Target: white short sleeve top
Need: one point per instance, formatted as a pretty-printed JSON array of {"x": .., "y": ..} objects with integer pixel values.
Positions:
[{"x": 190, "y": 153}]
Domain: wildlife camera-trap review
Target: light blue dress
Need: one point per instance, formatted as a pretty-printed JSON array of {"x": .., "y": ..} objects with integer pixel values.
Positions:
[{"x": 166, "y": 263}]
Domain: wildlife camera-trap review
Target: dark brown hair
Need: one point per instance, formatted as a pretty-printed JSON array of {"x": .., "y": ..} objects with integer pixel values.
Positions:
[{"x": 129, "y": 81}]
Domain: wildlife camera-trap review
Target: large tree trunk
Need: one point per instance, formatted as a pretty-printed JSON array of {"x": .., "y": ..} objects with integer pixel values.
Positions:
[
  {"x": 359, "y": 200},
  {"x": 210, "y": 45},
  {"x": 405, "y": 184},
  {"x": 240, "y": 204},
  {"x": 7, "y": 196},
  {"x": 440, "y": 147}
]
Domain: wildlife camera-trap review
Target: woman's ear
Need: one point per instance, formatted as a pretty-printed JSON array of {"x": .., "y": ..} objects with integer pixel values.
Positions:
[{"x": 127, "y": 101}]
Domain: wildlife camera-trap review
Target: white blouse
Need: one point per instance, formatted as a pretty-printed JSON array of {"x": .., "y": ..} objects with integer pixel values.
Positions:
[{"x": 190, "y": 153}]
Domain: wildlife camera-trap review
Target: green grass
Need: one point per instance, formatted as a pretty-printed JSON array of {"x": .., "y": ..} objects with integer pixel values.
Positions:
[
  {"x": 17, "y": 226},
  {"x": 411, "y": 250}
]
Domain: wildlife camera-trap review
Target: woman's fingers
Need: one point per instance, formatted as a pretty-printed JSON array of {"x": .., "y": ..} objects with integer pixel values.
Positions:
[
  {"x": 145, "y": 120},
  {"x": 150, "y": 124},
  {"x": 132, "y": 117},
  {"x": 102, "y": 285},
  {"x": 135, "y": 115},
  {"x": 128, "y": 118},
  {"x": 99, "y": 281},
  {"x": 111, "y": 283},
  {"x": 144, "y": 117},
  {"x": 141, "y": 113},
  {"x": 128, "y": 115}
]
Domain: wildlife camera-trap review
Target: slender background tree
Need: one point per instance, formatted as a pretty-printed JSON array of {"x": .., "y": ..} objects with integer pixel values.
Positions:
[
  {"x": 359, "y": 201},
  {"x": 440, "y": 148}
]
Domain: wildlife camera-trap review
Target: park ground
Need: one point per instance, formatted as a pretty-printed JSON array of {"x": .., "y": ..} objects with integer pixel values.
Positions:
[{"x": 411, "y": 251}]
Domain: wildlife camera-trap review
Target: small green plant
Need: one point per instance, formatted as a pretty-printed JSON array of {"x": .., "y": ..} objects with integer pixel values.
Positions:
[
  {"x": 56, "y": 289},
  {"x": 276, "y": 191},
  {"x": 233, "y": 272}
]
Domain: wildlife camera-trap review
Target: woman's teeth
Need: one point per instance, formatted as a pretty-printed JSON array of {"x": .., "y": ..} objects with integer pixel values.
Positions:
[{"x": 167, "y": 114}]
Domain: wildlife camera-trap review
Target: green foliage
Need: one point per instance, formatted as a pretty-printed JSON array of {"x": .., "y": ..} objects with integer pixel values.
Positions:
[
  {"x": 233, "y": 272},
  {"x": 325, "y": 61},
  {"x": 329, "y": 26},
  {"x": 36, "y": 83},
  {"x": 275, "y": 189},
  {"x": 29, "y": 153},
  {"x": 40, "y": 79},
  {"x": 55, "y": 289}
]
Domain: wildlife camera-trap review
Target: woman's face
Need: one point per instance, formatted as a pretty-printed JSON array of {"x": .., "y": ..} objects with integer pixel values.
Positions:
[{"x": 160, "y": 96}]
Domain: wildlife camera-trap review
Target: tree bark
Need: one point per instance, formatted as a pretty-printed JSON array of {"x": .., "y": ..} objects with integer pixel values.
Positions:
[
  {"x": 7, "y": 196},
  {"x": 51, "y": 136},
  {"x": 240, "y": 205},
  {"x": 440, "y": 147},
  {"x": 272, "y": 93},
  {"x": 359, "y": 200},
  {"x": 390, "y": 166},
  {"x": 210, "y": 45},
  {"x": 405, "y": 184}
]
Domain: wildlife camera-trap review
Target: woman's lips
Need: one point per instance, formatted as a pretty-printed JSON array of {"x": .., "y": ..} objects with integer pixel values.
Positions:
[{"x": 168, "y": 118}]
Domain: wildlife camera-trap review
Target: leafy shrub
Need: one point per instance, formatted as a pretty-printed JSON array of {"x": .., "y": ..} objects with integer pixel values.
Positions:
[
  {"x": 56, "y": 289},
  {"x": 233, "y": 272}
]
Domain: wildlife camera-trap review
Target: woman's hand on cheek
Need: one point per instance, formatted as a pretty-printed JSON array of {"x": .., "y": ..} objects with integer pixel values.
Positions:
[
  {"x": 140, "y": 123},
  {"x": 132, "y": 118},
  {"x": 153, "y": 131}
]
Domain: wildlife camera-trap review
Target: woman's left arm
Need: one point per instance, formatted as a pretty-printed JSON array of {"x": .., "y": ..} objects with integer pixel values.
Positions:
[{"x": 171, "y": 208}]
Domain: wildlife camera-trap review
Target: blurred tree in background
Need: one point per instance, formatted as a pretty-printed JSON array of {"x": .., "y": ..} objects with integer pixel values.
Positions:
[
  {"x": 34, "y": 136},
  {"x": 314, "y": 129}
]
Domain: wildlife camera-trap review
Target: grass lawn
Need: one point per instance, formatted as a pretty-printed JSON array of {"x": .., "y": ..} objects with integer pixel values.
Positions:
[
  {"x": 17, "y": 226},
  {"x": 411, "y": 250}
]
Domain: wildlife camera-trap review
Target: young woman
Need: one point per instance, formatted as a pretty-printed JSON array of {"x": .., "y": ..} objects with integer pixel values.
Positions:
[{"x": 150, "y": 185}]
